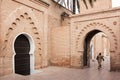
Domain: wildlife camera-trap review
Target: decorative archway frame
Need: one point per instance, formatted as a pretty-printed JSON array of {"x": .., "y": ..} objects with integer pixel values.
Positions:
[
  {"x": 101, "y": 27},
  {"x": 15, "y": 29},
  {"x": 81, "y": 35}
]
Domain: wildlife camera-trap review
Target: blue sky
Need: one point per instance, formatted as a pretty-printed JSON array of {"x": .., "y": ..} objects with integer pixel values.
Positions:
[{"x": 115, "y": 3}]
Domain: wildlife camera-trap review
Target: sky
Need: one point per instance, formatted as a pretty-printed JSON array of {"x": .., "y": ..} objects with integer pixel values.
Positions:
[{"x": 115, "y": 3}]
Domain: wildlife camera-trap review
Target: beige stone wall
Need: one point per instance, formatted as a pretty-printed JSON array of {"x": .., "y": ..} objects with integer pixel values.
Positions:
[
  {"x": 0, "y": 23},
  {"x": 56, "y": 29},
  {"x": 57, "y": 42},
  {"x": 101, "y": 44},
  {"x": 98, "y": 5},
  {"x": 22, "y": 17},
  {"x": 36, "y": 19},
  {"x": 106, "y": 21},
  {"x": 60, "y": 47}
]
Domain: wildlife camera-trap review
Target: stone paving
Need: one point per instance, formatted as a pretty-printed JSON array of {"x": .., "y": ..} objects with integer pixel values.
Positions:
[{"x": 60, "y": 73}]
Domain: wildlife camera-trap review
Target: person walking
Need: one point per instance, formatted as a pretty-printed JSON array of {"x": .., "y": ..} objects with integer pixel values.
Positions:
[{"x": 99, "y": 59}]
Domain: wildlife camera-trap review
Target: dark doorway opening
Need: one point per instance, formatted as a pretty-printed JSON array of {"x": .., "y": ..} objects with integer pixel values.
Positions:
[
  {"x": 22, "y": 57},
  {"x": 86, "y": 55}
]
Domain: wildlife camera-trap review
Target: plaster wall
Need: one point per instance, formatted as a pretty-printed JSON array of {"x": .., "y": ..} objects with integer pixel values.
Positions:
[
  {"x": 22, "y": 17},
  {"x": 58, "y": 35},
  {"x": 60, "y": 46},
  {"x": 105, "y": 21},
  {"x": 37, "y": 19},
  {"x": 57, "y": 42},
  {"x": 98, "y": 5}
]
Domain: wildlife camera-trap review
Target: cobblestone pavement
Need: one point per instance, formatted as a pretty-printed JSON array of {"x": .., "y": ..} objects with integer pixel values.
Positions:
[{"x": 60, "y": 73}]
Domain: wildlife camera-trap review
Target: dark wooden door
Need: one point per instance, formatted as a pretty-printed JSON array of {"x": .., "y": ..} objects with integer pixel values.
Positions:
[{"x": 22, "y": 57}]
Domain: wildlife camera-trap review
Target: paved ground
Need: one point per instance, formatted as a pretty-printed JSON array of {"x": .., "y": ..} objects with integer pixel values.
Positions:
[{"x": 58, "y": 73}]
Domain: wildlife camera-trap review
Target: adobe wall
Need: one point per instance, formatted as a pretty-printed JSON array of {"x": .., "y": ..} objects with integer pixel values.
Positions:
[
  {"x": 38, "y": 19},
  {"x": 60, "y": 46},
  {"x": 106, "y": 21},
  {"x": 58, "y": 35},
  {"x": 98, "y": 5},
  {"x": 22, "y": 17},
  {"x": 57, "y": 42},
  {"x": 0, "y": 31},
  {"x": 99, "y": 44}
]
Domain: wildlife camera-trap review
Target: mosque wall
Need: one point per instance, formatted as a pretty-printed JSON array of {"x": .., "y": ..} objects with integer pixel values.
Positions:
[{"x": 57, "y": 40}]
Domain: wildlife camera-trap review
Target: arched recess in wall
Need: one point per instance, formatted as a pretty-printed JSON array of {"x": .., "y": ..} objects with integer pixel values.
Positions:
[
  {"x": 23, "y": 47},
  {"x": 89, "y": 31},
  {"x": 14, "y": 30},
  {"x": 87, "y": 40}
]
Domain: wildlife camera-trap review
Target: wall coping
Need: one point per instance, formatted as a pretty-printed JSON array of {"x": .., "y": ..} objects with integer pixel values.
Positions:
[
  {"x": 95, "y": 12},
  {"x": 41, "y": 2}
]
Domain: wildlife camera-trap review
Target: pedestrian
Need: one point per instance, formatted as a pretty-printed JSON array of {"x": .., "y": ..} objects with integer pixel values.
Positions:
[{"x": 99, "y": 59}]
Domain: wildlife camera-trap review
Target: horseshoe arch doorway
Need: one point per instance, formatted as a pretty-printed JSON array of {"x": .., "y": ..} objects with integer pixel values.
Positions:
[
  {"x": 23, "y": 61},
  {"x": 87, "y": 49}
]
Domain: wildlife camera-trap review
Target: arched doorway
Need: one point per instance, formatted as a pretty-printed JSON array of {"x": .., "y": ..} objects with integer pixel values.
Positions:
[
  {"x": 91, "y": 50},
  {"x": 23, "y": 57}
]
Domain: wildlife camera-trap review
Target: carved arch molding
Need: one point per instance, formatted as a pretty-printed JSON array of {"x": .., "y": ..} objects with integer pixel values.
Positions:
[
  {"x": 14, "y": 27},
  {"x": 100, "y": 27}
]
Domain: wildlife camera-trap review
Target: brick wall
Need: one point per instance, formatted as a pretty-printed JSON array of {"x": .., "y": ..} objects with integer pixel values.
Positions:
[{"x": 60, "y": 48}]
